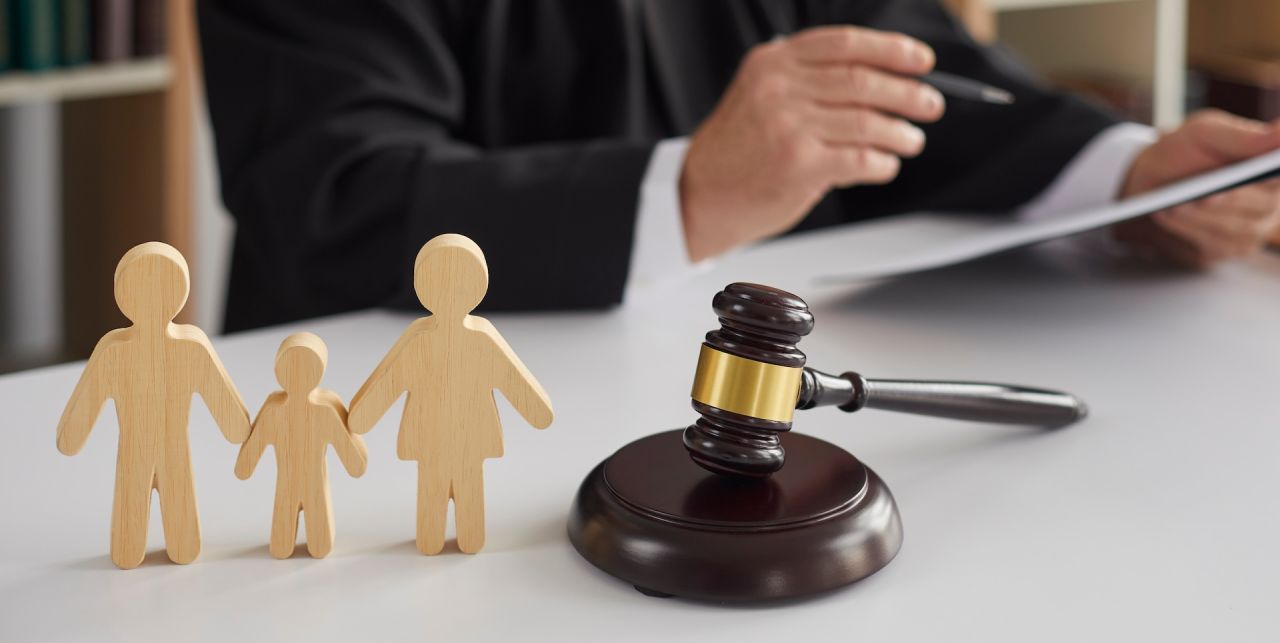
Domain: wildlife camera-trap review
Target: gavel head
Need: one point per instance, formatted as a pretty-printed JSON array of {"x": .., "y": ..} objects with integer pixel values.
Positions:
[{"x": 748, "y": 380}]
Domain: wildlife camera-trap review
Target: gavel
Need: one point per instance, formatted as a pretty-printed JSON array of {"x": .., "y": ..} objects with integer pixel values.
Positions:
[
  {"x": 751, "y": 378},
  {"x": 753, "y": 530}
]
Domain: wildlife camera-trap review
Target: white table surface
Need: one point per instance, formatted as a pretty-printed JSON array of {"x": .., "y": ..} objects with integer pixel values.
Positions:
[{"x": 1156, "y": 519}]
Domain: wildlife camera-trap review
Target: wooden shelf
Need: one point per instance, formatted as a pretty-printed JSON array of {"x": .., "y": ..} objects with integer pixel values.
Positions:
[
  {"x": 1142, "y": 42},
  {"x": 1010, "y": 5},
  {"x": 88, "y": 81}
]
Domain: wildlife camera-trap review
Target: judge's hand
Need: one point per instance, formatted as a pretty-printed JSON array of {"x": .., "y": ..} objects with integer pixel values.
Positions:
[
  {"x": 1223, "y": 226},
  {"x": 827, "y": 107}
]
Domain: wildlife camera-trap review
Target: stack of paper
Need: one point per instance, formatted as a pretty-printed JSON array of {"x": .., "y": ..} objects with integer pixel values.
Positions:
[{"x": 912, "y": 243}]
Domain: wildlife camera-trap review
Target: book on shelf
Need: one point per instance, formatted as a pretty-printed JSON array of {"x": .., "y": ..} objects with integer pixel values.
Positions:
[
  {"x": 112, "y": 30},
  {"x": 35, "y": 34},
  {"x": 149, "y": 27},
  {"x": 73, "y": 44},
  {"x": 6, "y": 36}
]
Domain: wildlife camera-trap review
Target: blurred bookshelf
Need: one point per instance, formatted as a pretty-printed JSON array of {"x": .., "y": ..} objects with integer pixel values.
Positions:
[
  {"x": 96, "y": 144},
  {"x": 1129, "y": 54},
  {"x": 96, "y": 110},
  {"x": 1150, "y": 60},
  {"x": 1006, "y": 5},
  {"x": 92, "y": 80},
  {"x": 1233, "y": 49}
]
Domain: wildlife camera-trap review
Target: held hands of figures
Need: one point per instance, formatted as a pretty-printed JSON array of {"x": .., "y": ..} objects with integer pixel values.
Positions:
[
  {"x": 243, "y": 469},
  {"x": 1223, "y": 226},
  {"x": 240, "y": 431},
  {"x": 360, "y": 421},
  {"x": 827, "y": 107},
  {"x": 301, "y": 420},
  {"x": 361, "y": 464}
]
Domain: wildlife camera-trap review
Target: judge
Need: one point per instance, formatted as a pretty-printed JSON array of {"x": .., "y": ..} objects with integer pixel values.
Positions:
[{"x": 596, "y": 147}]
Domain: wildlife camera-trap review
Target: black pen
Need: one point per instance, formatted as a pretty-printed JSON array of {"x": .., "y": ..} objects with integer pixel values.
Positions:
[
  {"x": 958, "y": 86},
  {"x": 961, "y": 87}
]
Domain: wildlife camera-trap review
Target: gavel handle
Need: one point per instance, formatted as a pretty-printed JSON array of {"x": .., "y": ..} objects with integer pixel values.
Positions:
[{"x": 974, "y": 401}]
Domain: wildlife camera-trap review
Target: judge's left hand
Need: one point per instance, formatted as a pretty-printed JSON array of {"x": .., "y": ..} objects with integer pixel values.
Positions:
[{"x": 1223, "y": 226}]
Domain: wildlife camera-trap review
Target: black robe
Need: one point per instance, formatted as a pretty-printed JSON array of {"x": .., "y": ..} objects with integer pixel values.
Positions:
[{"x": 349, "y": 132}]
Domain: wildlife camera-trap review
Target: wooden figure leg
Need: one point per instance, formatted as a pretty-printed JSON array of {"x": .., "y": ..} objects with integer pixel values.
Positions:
[
  {"x": 178, "y": 513},
  {"x": 318, "y": 512},
  {"x": 284, "y": 526},
  {"x": 468, "y": 507},
  {"x": 129, "y": 519},
  {"x": 433, "y": 507}
]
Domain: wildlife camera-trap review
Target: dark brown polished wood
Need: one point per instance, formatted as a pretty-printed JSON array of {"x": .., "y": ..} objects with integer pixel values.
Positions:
[
  {"x": 762, "y": 324},
  {"x": 710, "y": 513},
  {"x": 650, "y": 516}
]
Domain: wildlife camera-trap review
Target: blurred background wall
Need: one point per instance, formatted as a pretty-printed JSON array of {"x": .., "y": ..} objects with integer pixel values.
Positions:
[{"x": 104, "y": 140}]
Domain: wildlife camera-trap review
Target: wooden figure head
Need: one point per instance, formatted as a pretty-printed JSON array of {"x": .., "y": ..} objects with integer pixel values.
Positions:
[
  {"x": 300, "y": 363},
  {"x": 152, "y": 283},
  {"x": 450, "y": 275}
]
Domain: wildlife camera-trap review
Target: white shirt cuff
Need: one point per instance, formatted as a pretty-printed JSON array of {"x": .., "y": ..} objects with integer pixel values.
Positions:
[
  {"x": 659, "y": 254},
  {"x": 1095, "y": 175}
]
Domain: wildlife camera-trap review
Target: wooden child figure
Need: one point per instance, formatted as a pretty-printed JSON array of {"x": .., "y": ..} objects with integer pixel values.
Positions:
[
  {"x": 449, "y": 364},
  {"x": 151, "y": 369},
  {"x": 301, "y": 421}
]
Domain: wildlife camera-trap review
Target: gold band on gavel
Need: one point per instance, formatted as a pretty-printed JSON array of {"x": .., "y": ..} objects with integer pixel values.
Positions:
[{"x": 746, "y": 387}]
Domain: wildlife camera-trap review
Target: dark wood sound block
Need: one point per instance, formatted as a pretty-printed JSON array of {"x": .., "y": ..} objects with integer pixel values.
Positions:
[{"x": 650, "y": 516}]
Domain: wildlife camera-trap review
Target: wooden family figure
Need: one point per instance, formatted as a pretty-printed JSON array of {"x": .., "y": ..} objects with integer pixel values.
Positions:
[
  {"x": 151, "y": 369},
  {"x": 300, "y": 422},
  {"x": 448, "y": 365}
]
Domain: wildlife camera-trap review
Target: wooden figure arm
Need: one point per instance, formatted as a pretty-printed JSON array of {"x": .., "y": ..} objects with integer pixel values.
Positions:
[
  {"x": 350, "y": 447},
  {"x": 518, "y": 385},
  {"x": 353, "y": 452},
  {"x": 259, "y": 436},
  {"x": 334, "y": 401},
  {"x": 381, "y": 390},
  {"x": 87, "y": 400},
  {"x": 217, "y": 390}
]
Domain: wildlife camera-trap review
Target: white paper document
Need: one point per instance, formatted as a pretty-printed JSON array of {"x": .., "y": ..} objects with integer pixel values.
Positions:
[{"x": 915, "y": 242}]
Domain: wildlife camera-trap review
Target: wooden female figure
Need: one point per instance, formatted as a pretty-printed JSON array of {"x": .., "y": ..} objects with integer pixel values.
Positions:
[{"x": 449, "y": 364}]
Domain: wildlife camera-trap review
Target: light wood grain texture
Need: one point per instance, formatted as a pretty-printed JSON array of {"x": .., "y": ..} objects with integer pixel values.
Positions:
[
  {"x": 300, "y": 422},
  {"x": 151, "y": 369},
  {"x": 449, "y": 364}
]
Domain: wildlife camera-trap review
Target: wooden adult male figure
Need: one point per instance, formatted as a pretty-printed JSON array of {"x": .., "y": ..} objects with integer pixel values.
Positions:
[
  {"x": 151, "y": 369},
  {"x": 449, "y": 364},
  {"x": 300, "y": 422}
]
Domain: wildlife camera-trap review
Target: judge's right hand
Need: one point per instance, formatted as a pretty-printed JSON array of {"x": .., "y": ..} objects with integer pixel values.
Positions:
[{"x": 825, "y": 108}]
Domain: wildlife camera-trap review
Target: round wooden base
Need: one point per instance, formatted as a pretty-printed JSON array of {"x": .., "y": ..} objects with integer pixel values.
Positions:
[{"x": 653, "y": 518}]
